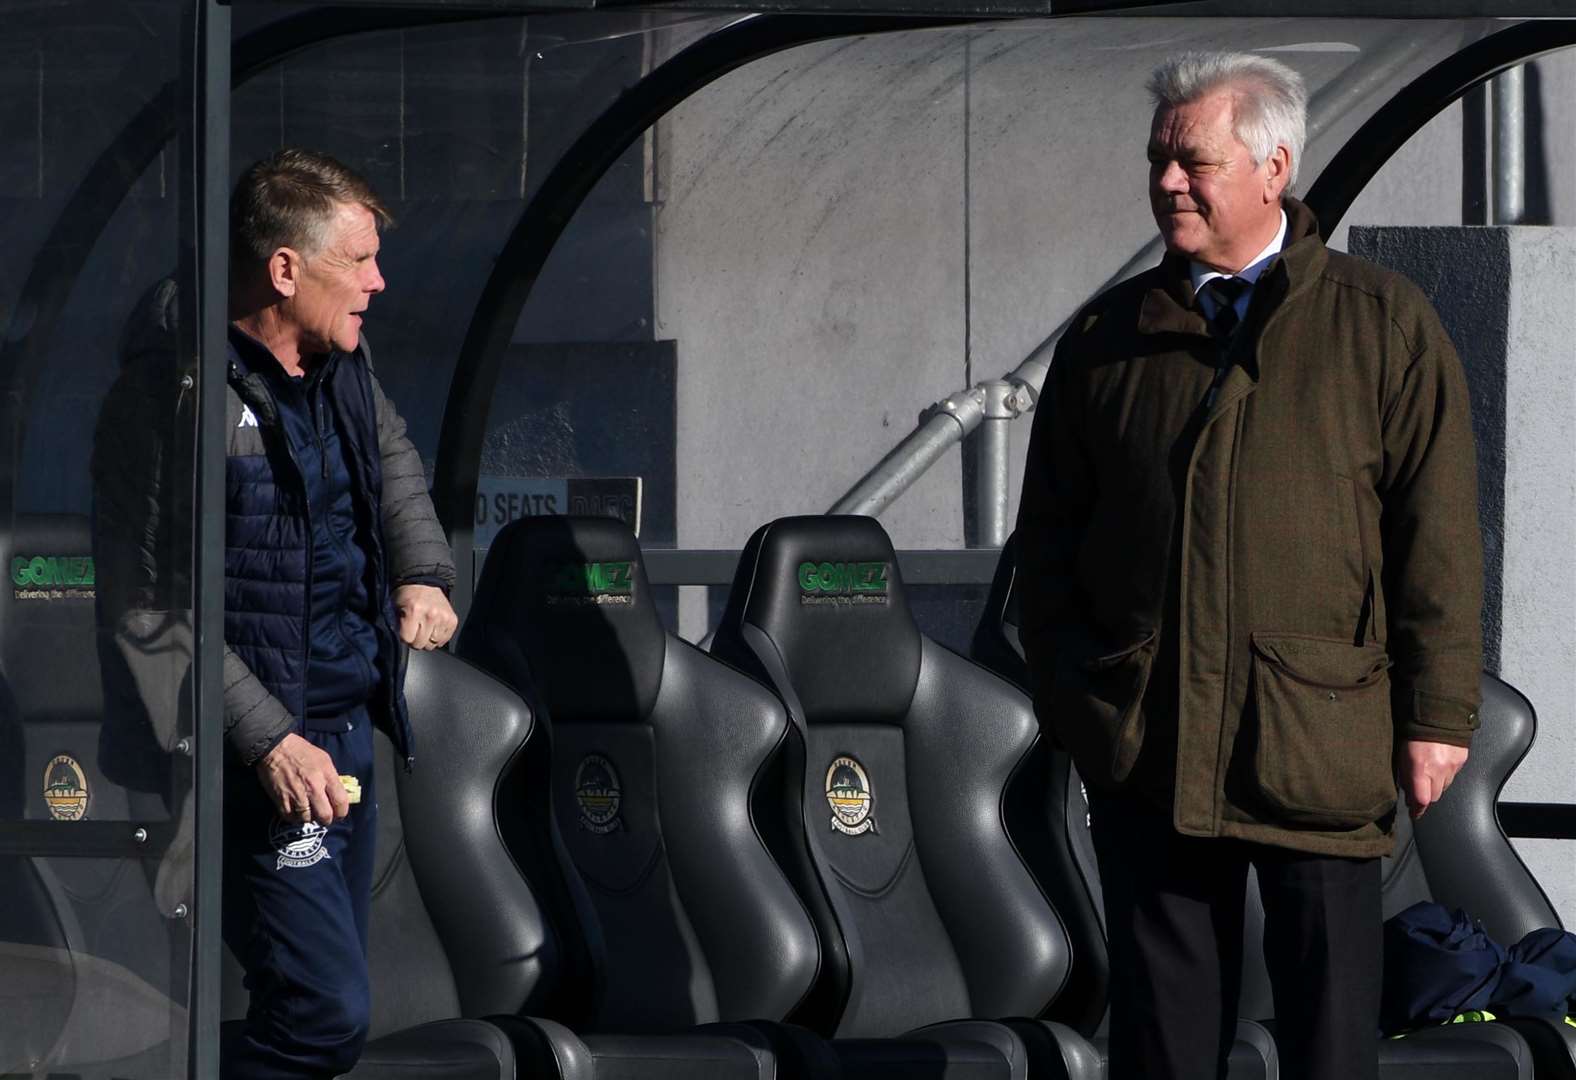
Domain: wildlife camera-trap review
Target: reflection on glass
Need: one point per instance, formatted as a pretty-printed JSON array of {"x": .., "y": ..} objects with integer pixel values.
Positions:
[{"x": 94, "y": 926}]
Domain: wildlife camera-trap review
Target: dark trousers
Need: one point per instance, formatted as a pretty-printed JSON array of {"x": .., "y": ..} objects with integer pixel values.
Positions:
[
  {"x": 1174, "y": 912},
  {"x": 295, "y": 916}
]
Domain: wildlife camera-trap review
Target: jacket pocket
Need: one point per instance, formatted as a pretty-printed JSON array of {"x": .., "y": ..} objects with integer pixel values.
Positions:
[
  {"x": 1097, "y": 709},
  {"x": 1325, "y": 735}
]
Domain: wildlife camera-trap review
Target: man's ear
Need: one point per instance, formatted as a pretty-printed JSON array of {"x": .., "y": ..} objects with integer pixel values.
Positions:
[
  {"x": 1277, "y": 172},
  {"x": 284, "y": 270}
]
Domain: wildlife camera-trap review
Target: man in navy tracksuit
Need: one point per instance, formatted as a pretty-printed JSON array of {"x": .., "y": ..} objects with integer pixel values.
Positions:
[{"x": 333, "y": 556}]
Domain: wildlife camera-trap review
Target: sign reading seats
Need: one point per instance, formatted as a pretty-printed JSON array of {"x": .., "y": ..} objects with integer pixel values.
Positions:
[{"x": 502, "y": 499}]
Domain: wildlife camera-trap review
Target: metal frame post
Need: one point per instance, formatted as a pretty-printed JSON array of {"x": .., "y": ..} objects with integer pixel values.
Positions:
[
  {"x": 207, "y": 166},
  {"x": 992, "y": 440},
  {"x": 1509, "y": 95}
]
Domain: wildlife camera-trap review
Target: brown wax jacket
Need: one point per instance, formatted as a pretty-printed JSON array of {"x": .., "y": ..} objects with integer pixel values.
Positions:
[{"x": 1241, "y": 610}]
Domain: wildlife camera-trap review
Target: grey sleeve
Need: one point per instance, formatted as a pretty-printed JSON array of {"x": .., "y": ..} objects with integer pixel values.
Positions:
[
  {"x": 254, "y": 720},
  {"x": 418, "y": 550}
]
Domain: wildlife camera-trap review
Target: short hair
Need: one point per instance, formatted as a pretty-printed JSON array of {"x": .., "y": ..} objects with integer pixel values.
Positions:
[
  {"x": 1269, "y": 106},
  {"x": 288, "y": 199}
]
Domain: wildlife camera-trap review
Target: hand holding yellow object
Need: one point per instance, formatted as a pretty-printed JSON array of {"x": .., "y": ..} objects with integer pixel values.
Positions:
[{"x": 352, "y": 788}]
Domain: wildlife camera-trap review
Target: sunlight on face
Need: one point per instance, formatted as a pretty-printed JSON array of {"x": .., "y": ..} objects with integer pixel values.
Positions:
[
  {"x": 337, "y": 283},
  {"x": 1211, "y": 202}
]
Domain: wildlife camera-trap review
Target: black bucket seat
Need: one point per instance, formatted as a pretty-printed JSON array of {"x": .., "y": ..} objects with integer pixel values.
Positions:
[
  {"x": 664, "y": 772},
  {"x": 93, "y": 959},
  {"x": 467, "y": 961},
  {"x": 914, "y": 831}
]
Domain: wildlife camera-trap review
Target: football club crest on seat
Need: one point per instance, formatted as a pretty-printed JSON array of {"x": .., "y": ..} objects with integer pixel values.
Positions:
[
  {"x": 598, "y": 792},
  {"x": 299, "y": 843},
  {"x": 849, "y": 795},
  {"x": 65, "y": 788}
]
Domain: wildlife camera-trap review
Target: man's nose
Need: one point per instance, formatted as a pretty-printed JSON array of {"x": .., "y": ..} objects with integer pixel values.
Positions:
[
  {"x": 374, "y": 282},
  {"x": 1172, "y": 178}
]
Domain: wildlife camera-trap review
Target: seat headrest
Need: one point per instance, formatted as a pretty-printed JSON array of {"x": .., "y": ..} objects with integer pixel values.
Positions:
[
  {"x": 827, "y": 594},
  {"x": 572, "y": 596},
  {"x": 48, "y": 557}
]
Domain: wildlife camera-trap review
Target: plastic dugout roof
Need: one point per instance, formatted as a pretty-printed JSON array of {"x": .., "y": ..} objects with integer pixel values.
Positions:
[
  {"x": 1495, "y": 35},
  {"x": 1356, "y": 9}
]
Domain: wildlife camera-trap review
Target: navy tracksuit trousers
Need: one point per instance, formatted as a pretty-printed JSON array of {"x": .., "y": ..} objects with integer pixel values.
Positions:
[{"x": 295, "y": 915}]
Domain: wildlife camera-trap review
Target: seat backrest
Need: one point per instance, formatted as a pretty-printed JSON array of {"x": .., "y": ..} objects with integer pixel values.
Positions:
[
  {"x": 915, "y": 839},
  {"x": 50, "y": 660},
  {"x": 91, "y": 927},
  {"x": 454, "y": 928},
  {"x": 1470, "y": 862},
  {"x": 475, "y": 737},
  {"x": 667, "y": 769},
  {"x": 1071, "y": 876}
]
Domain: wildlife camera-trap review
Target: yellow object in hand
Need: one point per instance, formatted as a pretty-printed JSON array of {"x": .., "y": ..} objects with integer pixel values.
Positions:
[{"x": 352, "y": 788}]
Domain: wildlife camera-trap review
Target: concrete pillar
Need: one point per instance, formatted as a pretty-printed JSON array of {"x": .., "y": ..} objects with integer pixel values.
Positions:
[{"x": 1507, "y": 296}]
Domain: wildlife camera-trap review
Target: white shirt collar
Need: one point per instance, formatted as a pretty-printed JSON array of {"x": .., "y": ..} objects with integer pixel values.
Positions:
[{"x": 1202, "y": 274}]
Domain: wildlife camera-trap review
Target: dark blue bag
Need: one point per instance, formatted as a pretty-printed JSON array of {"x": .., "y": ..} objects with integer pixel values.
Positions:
[
  {"x": 1539, "y": 979},
  {"x": 1437, "y": 965},
  {"x": 1440, "y": 963}
]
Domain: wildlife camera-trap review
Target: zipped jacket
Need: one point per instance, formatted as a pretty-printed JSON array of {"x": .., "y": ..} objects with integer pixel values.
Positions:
[
  {"x": 268, "y": 538},
  {"x": 1239, "y": 607},
  {"x": 142, "y": 532}
]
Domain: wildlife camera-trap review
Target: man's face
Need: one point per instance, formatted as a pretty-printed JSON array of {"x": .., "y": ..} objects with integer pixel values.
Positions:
[
  {"x": 336, "y": 284},
  {"x": 1211, "y": 202}
]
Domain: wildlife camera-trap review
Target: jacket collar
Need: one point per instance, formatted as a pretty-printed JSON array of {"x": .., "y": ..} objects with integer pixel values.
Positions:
[
  {"x": 252, "y": 357},
  {"x": 1170, "y": 307},
  {"x": 256, "y": 374}
]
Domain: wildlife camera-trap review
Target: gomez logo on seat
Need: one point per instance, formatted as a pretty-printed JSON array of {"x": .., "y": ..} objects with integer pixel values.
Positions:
[{"x": 842, "y": 582}]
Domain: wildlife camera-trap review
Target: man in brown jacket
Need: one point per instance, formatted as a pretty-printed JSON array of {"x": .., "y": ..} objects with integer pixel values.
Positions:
[{"x": 1251, "y": 577}]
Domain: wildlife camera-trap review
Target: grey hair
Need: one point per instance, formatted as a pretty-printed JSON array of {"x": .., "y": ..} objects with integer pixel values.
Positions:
[
  {"x": 1270, "y": 101},
  {"x": 288, "y": 200}
]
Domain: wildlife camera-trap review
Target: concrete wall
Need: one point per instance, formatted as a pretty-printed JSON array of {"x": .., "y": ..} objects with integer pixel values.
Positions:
[{"x": 849, "y": 231}]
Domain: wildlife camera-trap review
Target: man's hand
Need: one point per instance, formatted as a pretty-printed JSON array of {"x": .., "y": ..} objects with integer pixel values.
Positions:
[
  {"x": 426, "y": 621},
  {"x": 1425, "y": 770},
  {"x": 302, "y": 782}
]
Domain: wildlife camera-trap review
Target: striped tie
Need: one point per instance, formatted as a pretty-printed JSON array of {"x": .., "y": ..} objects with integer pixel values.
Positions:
[{"x": 1225, "y": 292}]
